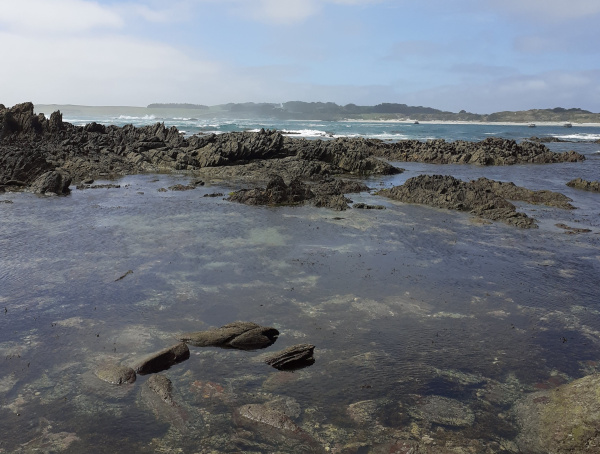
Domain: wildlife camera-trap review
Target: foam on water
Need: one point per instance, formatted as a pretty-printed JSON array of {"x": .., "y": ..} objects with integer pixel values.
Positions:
[{"x": 579, "y": 137}]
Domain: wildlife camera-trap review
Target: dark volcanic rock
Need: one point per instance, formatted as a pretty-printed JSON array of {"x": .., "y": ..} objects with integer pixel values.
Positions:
[
  {"x": 512, "y": 192},
  {"x": 586, "y": 185},
  {"x": 22, "y": 165},
  {"x": 328, "y": 193},
  {"x": 448, "y": 192},
  {"x": 53, "y": 182},
  {"x": 162, "y": 359},
  {"x": 491, "y": 151},
  {"x": 364, "y": 206},
  {"x": 238, "y": 335},
  {"x": 276, "y": 193},
  {"x": 292, "y": 358}
]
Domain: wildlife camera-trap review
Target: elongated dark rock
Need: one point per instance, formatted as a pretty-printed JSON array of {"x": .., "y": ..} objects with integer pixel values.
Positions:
[
  {"x": 294, "y": 357},
  {"x": 162, "y": 359},
  {"x": 239, "y": 335}
]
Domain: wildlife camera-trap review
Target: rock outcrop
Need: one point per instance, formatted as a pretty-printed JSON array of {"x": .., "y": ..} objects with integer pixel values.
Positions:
[
  {"x": 328, "y": 193},
  {"x": 238, "y": 335},
  {"x": 32, "y": 145},
  {"x": 443, "y": 191},
  {"x": 276, "y": 193},
  {"x": 491, "y": 151},
  {"x": 580, "y": 183}
]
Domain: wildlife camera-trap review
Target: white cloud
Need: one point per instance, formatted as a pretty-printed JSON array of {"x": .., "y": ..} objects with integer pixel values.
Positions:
[
  {"x": 102, "y": 71},
  {"x": 63, "y": 16}
]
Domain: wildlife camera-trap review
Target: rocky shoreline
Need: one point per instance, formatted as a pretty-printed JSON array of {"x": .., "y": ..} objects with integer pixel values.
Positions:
[{"x": 33, "y": 145}]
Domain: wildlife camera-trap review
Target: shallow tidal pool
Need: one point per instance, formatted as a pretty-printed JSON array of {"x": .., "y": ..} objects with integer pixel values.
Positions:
[{"x": 428, "y": 324}]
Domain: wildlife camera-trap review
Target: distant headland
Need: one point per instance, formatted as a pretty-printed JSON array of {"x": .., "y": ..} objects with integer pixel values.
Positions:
[{"x": 329, "y": 111}]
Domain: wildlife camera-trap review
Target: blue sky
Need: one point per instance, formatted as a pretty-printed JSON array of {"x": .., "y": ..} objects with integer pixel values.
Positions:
[{"x": 478, "y": 55}]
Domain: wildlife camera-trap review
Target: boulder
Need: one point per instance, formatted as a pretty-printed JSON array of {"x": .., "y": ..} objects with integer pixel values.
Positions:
[
  {"x": 53, "y": 182},
  {"x": 163, "y": 359},
  {"x": 238, "y": 335}
]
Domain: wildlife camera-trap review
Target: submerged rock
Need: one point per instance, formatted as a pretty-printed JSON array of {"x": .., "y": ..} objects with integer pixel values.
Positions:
[
  {"x": 579, "y": 183},
  {"x": 157, "y": 395},
  {"x": 292, "y": 358},
  {"x": 572, "y": 230},
  {"x": 162, "y": 386},
  {"x": 443, "y": 411},
  {"x": 116, "y": 374},
  {"x": 562, "y": 420},
  {"x": 238, "y": 335},
  {"x": 272, "y": 422},
  {"x": 162, "y": 359}
]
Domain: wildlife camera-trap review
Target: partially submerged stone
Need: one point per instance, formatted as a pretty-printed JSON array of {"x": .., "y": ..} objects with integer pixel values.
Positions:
[
  {"x": 294, "y": 357},
  {"x": 580, "y": 183},
  {"x": 162, "y": 359},
  {"x": 238, "y": 335},
  {"x": 116, "y": 374}
]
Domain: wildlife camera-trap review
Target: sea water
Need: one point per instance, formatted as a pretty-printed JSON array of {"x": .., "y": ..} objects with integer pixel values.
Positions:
[{"x": 405, "y": 306}]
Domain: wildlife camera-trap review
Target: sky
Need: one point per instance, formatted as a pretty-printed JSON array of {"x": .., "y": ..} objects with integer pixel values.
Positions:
[{"x": 482, "y": 56}]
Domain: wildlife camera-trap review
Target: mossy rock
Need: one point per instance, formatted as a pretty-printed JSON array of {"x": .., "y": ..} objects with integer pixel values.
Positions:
[{"x": 563, "y": 420}]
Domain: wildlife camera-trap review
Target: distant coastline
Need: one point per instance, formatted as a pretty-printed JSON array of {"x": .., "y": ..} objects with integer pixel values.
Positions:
[{"x": 332, "y": 112}]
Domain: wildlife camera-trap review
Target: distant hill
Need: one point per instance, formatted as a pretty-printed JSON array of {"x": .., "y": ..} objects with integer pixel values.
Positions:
[{"x": 300, "y": 110}]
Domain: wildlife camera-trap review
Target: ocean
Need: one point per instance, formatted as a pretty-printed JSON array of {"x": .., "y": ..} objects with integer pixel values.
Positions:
[{"x": 429, "y": 326}]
